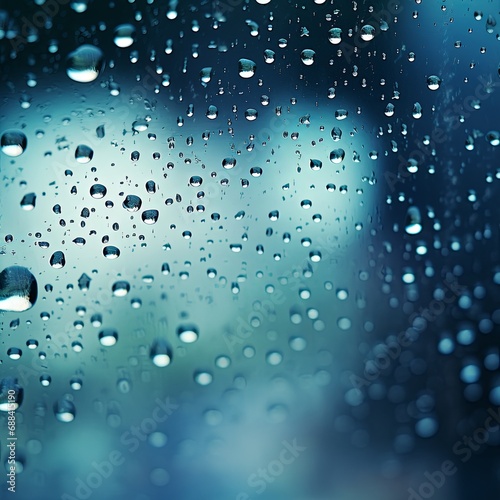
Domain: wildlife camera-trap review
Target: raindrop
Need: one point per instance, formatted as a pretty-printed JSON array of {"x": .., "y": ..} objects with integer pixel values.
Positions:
[
  {"x": 212, "y": 112},
  {"x": 120, "y": 288},
  {"x": 108, "y": 337},
  {"x": 132, "y": 203},
  {"x": 367, "y": 32},
  {"x": 413, "y": 223},
  {"x": 161, "y": 353},
  {"x": 315, "y": 164},
  {"x": 14, "y": 353},
  {"x": 64, "y": 410},
  {"x": 203, "y": 377},
  {"x": 98, "y": 191},
  {"x": 83, "y": 154},
  {"x": 307, "y": 56},
  {"x": 57, "y": 260},
  {"x": 337, "y": 155},
  {"x": 433, "y": 82},
  {"x": 246, "y": 68},
  {"x": 269, "y": 56},
  {"x": 28, "y": 201},
  {"x": 229, "y": 163},
  {"x": 13, "y": 143},
  {"x": 493, "y": 137},
  {"x": 85, "y": 63},
  {"x": 188, "y": 333},
  {"x": 206, "y": 75},
  {"x": 335, "y": 36},
  {"x": 111, "y": 252},
  {"x": 124, "y": 35},
  {"x": 150, "y": 216}
]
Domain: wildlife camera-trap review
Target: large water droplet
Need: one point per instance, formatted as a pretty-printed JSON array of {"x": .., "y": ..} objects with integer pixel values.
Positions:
[
  {"x": 18, "y": 289},
  {"x": 13, "y": 143},
  {"x": 433, "y": 82},
  {"x": 246, "y": 68},
  {"x": 84, "y": 64},
  {"x": 367, "y": 33},
  {"x": 124, "y": 35}
]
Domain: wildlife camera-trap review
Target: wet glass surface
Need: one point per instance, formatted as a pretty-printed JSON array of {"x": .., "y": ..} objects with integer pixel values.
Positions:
[{"x": 249, "y": 250}]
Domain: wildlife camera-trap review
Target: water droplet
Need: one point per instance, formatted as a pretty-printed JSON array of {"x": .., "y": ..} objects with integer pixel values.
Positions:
[
  {"x": 203, "y": 377},
  {"x": 108, "y": 337},
  {"x": 111, "y": 252},
  {"x": 161, "y": 353},
  {"x": 84, "y": 64},
  {"x": 206, "y": 75},
  {"x": 413, "y": 223},
  {"x": 337, "y": 155},
  {"x": 120, "y": 288},
  {"x": 98, "y": 191},
  {"x": 18, "y": 289},
  {"x": 188, "y": 333},
  {"x": 28, "y": 201},
  {"x": 150, "y": 216},
  {"x": 269, "y": 56},
  {"x": 83, "y": 154},
  {"x": 274, "y": 358},
  {"x": 367, "y": 32},
  {"x": 76, "y": 383},
  {"x": 124, "y": 35},
  {"x": 229, "y": 163},
  {"x": 132, "y": 203},
  {"x": 417, "y": 111},
  {"x": 341, "y": 114},
  {"x": 433, "y": 82},
  {"x": 13, "y": 143},
  {"x": 297, "y": 343},
  {"x": 57, "y": 260},
  {"x": 246, "y": 68},
  {"x": 212, "y": 112},
  {"x": 251, "y": 114},
  {"x": 14, "y": 353},
  {"x": 315, "y": 164},
  {"x": 64, "y": 410},
  {"x": 493, "y": 137},
  {"x": 307, "y": 56},
  {"x": 335, "y": 35}
]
